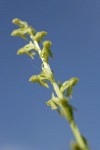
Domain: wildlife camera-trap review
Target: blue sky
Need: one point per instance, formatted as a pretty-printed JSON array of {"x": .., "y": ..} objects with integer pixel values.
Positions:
[{"x": 73, "y": 26}]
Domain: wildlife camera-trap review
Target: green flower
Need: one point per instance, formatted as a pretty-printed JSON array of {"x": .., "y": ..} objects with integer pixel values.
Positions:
[
  {"x": 39, "y": 36},
  {"x": 36, "y": 78},
  {"x": 27, "y": 49}
]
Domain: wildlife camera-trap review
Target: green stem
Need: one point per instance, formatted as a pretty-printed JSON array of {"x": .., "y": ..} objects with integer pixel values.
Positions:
[
  {"x": 56, "y": 88},
  {"x": 38, "y": 47},
  {"x": 73, "y": 125},
  {"x": 78, "y": 136}
]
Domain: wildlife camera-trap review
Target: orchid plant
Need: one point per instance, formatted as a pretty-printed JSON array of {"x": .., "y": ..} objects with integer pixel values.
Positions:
[{"x": 60, "y": 98}]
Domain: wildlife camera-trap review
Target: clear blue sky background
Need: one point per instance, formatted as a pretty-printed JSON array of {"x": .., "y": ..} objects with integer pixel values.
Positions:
[{"x": 73, "y": 26}]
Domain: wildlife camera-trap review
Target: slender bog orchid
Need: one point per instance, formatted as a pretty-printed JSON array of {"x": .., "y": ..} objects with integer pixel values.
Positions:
[{"x": 60, "y": 98}]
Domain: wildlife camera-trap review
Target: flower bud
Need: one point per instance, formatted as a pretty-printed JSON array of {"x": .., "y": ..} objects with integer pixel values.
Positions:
[
  {"x": 47, "y": 44},
  {"x": 39, "y": 36}
]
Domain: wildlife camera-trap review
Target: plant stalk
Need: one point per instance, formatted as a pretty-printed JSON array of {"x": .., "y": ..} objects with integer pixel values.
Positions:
[
  {"x": 78, "y": 136},
  {"x": 62, "y": 105},
  {"x": 72, "y": 124}
]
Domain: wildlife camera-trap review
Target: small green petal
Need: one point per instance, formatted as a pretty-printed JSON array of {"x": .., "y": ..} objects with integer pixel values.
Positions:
[
  {"x": 73, "y": 81},
  {"x": 31, "y": 54},
  {"x": 19, "y": 22},
  {"x": 19, "y": 32},
  {"x": 69, "y": 91},
  {"x": 51, "y": 104},
  {"x": 27, "y": 49},
  {"x": 30, "y": 30},
  {"x": 43, "y": 83},
  {"x": 21, "y": 51},
  {"x": 68, "y": 84},
  {"x": 46, "y": 47},
  {"x": 47, "y": 44},
  {"x": 36, "y": 78},
  {"x": 39, "y": 36}
]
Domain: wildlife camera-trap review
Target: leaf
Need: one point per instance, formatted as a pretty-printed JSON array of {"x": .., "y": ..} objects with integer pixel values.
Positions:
[{"x": 39, "y": 36}]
